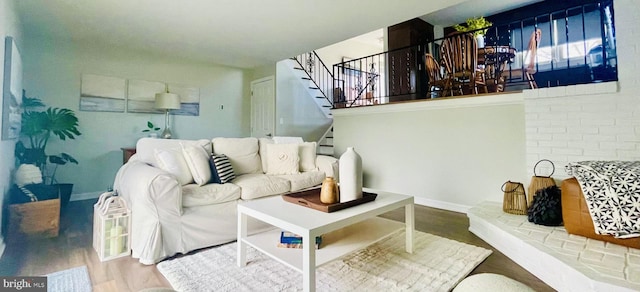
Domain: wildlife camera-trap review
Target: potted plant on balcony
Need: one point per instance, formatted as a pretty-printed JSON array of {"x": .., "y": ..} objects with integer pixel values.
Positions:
[
  {"x": 475, "y": 25},
  {"x": 38, "y": 126}
]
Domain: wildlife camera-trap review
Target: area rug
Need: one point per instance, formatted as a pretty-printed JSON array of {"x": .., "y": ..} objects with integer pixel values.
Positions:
[
  {"x": 437, "y": 264},
  {"x": 71, "y": 280}
]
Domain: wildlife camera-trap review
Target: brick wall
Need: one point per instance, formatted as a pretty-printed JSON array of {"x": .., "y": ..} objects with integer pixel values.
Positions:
[{"x": 599, "y": 121}]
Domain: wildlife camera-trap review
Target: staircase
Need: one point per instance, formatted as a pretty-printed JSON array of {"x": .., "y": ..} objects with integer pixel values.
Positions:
[
  {"x": 325, "y": 145},
  {"x": 318, "y": 80}
]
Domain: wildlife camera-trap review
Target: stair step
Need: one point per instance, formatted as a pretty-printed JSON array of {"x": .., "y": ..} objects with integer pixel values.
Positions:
[
  {"x": 306, "y": 78},
  {"x": 325, "y": 150},
  {"x": 326, "y": 106},
  {"x": 311, "y": 87},
  {"x": 320, "y": 97},
  {"x": 298, "y": 68}
]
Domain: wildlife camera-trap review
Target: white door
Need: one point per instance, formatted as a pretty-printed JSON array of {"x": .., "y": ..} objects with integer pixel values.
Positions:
[{"x": 263, "y": 107}]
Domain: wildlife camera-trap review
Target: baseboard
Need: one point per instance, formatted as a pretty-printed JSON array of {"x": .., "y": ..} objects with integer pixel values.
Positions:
[
  {"x": 85, "y": 196},
  {"x": 441, "y": 205}
]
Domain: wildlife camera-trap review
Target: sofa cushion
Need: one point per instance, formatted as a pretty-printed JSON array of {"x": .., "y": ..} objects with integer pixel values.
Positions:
[
  {"x": 172, "y": 161},
  {"x": 257, "y": 185},
  {"x": 242, "y": 152},
  {"x": 194, "y": 195},
  {"x": 282, "y": 159},
  {"x": 307, "y": 153},
  {"x": 304, "y": 180},
  {"x": 197, "y": 160},
  {"x": 221, "y": 169}
]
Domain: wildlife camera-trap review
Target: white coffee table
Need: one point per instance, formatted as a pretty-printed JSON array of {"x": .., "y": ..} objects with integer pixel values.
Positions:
[{"x": 343, "y": 231}]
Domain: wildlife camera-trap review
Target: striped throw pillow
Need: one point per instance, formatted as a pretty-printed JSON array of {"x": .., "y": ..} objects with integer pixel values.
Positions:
[{"x": 221, "y": 170}]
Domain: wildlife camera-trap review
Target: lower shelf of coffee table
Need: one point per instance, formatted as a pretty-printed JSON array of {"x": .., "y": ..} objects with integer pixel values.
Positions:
[{"x": 334, "y": 245}]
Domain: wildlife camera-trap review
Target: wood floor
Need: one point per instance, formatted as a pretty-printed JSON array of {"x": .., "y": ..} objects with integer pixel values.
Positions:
[{"x": 73, "y": 248}]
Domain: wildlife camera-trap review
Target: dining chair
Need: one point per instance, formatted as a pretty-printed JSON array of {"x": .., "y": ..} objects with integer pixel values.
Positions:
[
  {"x": 437, "y": 83},
  {"x": 460, "y": 59},
  {"x": 528, "y": 68}
]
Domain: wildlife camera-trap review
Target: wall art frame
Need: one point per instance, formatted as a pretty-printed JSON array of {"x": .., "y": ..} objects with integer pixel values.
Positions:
[{"x": 102, "y": 93}]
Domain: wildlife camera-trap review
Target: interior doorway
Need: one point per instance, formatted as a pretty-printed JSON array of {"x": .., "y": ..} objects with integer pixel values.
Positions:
[{"x": 263, "y": 107}]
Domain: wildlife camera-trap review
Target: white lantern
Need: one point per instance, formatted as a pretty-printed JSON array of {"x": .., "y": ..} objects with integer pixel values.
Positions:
[{"x": 111, "y": 227}]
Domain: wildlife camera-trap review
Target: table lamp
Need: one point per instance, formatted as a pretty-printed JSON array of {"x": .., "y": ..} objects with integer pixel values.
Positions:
[{"x": 167, "y": 101}]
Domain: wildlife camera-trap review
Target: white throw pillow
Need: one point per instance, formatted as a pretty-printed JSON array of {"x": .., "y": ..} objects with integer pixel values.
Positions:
[
  {"x": 198, "y": 162},
  {"x": 262, "y": 142},
  {"x": 172, "y": 161},
  {"x": 242, "y": 153},
  {"x": 282, "y": 159},
  {"x": 307, "y": 153}
]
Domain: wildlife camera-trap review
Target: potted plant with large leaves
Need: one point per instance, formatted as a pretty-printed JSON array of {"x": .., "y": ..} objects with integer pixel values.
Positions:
[{"x": 38, "y": 126}]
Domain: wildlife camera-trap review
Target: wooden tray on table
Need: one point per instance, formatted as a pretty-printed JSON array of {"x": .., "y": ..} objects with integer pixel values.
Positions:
[{"x": 311, "y": 199}]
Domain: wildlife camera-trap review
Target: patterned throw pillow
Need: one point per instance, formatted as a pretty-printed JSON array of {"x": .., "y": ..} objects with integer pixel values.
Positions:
[
  {"x": 221, "y": 170},
  {"x": 282, "y": 159}
]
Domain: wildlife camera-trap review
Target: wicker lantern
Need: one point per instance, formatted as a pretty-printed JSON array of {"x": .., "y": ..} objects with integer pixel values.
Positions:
[
  {"x": 111, "y": 227},
  {"x": 539, "y": 182},
  {"x": 515, "y": 199}
]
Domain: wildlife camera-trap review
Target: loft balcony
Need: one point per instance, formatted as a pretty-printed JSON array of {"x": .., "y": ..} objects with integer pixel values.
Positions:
[{"x": 555, "y": 47}]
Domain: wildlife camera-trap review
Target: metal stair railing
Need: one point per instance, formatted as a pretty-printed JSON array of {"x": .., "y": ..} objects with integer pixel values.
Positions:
[{"x": 317, "y": 72}]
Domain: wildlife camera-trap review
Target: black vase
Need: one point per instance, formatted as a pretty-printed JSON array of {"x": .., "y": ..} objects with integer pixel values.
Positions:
[{"x": 65, "y": 193}]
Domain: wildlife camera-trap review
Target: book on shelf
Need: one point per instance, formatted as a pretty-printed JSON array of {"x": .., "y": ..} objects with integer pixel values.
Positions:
[
  {"x": 294, "y": 245},
  {"x": 292, "y": 240}
]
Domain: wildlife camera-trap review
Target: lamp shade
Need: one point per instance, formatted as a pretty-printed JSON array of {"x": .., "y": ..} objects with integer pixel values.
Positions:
[{"x": 167, "y": 100}]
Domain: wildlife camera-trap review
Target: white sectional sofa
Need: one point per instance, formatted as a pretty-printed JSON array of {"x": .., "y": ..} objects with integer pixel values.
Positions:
[{"x": 175, "y": 206}]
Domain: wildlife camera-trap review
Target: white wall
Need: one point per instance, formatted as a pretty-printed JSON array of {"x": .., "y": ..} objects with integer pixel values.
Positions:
[
  {"x": 449, "y": 154},
  {"x": 9, "y": 26},
  {"x": 53, "y": 70},
  {"x": 263, "y": 71},
  {"x": 351, "y": 48},
  {"x": 297, "y": 114}
]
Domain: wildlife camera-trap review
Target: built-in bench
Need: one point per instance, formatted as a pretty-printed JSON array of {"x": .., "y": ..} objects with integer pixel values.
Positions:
[{"x": 564, "y": 261}]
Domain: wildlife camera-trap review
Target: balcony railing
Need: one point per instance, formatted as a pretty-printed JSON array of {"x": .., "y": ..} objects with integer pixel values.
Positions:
[{"x": 573, "y": 46}]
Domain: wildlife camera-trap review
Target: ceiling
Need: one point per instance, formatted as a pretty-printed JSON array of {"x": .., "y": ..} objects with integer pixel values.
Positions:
[{"x": 238, "y": 33}]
